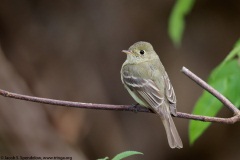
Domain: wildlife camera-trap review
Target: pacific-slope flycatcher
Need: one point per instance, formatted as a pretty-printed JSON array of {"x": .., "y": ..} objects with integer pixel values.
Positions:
[{"x": 145, "y": 78}]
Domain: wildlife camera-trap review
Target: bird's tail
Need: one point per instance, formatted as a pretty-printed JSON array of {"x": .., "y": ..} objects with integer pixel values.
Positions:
[{"x": 173, "y": 137}]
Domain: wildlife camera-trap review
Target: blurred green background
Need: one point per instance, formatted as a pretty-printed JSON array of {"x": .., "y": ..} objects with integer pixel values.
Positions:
[{"x": 71, "y": 50}]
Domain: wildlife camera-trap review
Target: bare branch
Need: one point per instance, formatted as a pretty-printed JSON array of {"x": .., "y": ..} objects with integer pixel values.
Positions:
[
  {"x": 138, "y": 108},
  {"x": 74, "y": 104},
  {"x": 231, "y": 120},
  {"x": 211, "y": 90}
]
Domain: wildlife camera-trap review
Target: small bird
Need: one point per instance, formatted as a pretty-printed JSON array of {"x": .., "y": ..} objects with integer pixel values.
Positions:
[{"x": 146, "y": 80}]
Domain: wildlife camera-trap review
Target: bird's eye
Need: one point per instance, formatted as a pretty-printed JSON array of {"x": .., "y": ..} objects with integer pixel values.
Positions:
[{"x": 142, "y": 52}]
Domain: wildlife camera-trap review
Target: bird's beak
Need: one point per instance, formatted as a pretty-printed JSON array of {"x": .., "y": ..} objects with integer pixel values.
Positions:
[{"x": 126, "y": 51}]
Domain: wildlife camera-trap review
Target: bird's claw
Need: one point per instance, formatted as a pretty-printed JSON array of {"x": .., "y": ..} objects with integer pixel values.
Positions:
[{"x": 135, "y": 107}]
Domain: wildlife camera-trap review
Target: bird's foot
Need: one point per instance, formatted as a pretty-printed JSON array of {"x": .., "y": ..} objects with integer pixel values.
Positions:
[{"x": 135, "y": 107}]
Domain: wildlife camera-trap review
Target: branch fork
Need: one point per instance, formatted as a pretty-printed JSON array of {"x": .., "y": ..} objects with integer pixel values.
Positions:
[{"x": 235, "y": 118}]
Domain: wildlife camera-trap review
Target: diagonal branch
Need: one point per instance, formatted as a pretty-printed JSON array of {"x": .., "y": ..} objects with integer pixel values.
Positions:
[
  {"x": 138, "y": 108},
  {"x": 211, "y": 90}
]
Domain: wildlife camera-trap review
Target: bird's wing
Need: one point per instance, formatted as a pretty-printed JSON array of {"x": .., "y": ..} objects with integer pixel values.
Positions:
[
  {"x": 169, "y": 91},
  {"x": 146, "y": 90}
]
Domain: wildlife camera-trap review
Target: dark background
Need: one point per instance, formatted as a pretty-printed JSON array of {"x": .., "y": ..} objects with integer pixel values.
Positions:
[{"x": 71, "y": 50}]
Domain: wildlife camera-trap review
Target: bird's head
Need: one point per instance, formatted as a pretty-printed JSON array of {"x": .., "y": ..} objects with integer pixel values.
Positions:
[{"x": 140, "y": 52}]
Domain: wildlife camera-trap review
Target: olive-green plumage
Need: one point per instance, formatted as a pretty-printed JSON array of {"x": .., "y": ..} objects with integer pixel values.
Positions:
[{"x": 145, "y": 78}]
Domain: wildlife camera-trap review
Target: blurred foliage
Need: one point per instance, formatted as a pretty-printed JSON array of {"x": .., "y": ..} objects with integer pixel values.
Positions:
[
  {"x": 176, "y": 20},
  {"x": 224, "y": 78},
  {"x": 122, "y": 155}
]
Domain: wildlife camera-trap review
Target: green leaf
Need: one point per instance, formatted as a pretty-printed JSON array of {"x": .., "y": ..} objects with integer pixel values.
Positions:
[
  {"x": 176, "y": 20},
  {"x": 125, "y": 155},
  {"x": 106, "y": 158},
  {"x": 206, "y": 105},
  {"x": 234, "y": 89},
  {"x": 225, "y": 78},
  {"x": 234, "y": 52}
]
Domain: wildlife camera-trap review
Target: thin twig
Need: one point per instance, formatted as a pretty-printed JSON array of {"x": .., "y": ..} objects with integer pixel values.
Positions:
[
  {"x": 138, "y": 108},
  {"x": 75, "y": 104},
  {"x": 211, "y": 90},
  {"x": 231, "y": 120}
]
